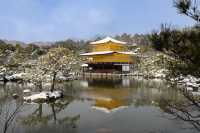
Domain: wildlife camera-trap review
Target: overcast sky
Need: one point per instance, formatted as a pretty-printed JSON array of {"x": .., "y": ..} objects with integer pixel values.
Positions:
[{"x": 50, "y": 20}]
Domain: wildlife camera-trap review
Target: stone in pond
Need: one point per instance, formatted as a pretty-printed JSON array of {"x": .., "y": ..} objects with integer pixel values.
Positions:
[
  {"x": 44, "y": 97},
  {"x": 15, "y": 96}
]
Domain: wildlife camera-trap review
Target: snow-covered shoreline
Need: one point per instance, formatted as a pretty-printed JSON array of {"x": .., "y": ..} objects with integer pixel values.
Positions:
[{"x": 189, "y": 83}]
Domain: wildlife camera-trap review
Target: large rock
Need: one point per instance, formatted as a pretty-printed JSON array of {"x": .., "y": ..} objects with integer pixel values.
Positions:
[
  {"x": 44, "y": 97},
  {"x": 2, "y": 75}
]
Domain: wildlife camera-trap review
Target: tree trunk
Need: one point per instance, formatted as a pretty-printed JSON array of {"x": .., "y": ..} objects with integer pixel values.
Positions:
[
  {"x": 40, "y": 86},
  {"x": 40, "y": 111},
  {"x": 54, "y": 113},
  {"x": 4, "y": 79},
  {"x": 53, "y": 82}
]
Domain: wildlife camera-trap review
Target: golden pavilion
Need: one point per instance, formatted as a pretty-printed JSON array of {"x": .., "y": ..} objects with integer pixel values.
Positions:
[{"x": 109, "y": 55}]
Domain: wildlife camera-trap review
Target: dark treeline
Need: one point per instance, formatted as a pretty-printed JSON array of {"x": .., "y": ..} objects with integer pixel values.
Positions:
[
  {"x": 15, "y": 54},
  {"x": 183, "y": 44},
  {"x": 20, "y": 52},
  {"x": 140, "y": 39}
]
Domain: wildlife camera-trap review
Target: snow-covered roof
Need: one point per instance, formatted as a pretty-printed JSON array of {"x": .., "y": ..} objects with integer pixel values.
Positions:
[
  {"x": 84, "y": 65},
  {"x": 108, "y": 39},
  {"x": 106, "y": 52},
  {"x": 97, "y": 53},
  {"x": 129, "y": 53}
]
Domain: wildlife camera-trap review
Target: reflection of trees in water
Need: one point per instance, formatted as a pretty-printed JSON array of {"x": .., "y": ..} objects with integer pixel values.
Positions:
[
  {"x": 39, "y": 117},
  {"x": 7, "y": 115},
  {"x": 147, "y": 92},
  {"x": 9, "y": 109},
  {"x": 107, "y": 83},
  {"x": 153, "y": 96},
  {"x": 187, "y": 110}
]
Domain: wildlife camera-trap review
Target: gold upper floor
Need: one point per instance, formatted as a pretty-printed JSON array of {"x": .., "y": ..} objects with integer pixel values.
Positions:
[{"x": 109, "y": 46}]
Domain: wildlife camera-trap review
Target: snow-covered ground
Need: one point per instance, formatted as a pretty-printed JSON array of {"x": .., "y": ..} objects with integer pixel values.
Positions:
[
  {"x": 26, "y": 91},
  {"x": 17, "y": 76},
  {"x": 189, "y": 82}
]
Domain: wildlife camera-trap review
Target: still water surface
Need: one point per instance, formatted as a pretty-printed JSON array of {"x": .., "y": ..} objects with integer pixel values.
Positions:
[{"x": 96, "y": 106}]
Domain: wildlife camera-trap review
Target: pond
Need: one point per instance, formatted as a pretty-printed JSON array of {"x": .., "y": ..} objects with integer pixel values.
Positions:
[{"x": 95, "y": 105}]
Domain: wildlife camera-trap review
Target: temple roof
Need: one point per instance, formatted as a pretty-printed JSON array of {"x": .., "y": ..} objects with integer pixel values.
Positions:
[
  {"x": 108, "y": 39},
  {"x": 106, "y": 52},
  {"x": 97, "y": 53}
]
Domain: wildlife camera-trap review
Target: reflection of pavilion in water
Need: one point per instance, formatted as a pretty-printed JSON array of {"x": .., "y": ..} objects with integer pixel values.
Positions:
[
  {"x": 107, "y": 82},
  {"x": 110, "y": 95},
  {"x": 109, "y": 105}
]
